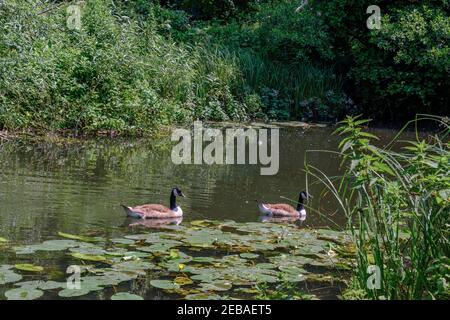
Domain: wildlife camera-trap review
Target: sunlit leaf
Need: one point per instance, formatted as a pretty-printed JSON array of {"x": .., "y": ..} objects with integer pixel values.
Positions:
[{"x": 28, "y": 267}]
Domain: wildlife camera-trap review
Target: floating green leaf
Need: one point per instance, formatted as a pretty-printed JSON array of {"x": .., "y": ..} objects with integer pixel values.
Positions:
[
  {"x": 51, "y": 285},
  {"x": 182, "y": 281},
  {"x": 126, "y": 296},
  {"x": 158, "y": 247},
  {"x": 249, "y": 255},
  {"x": 203, "y": 296},
  {"x": 8, "y": 276},
  {"x": 23, "y": 294},
  {"x": 164, "y": 284},
  {"x": 133, "y": 265},
  {"x": 75, "y": 237},
  {"x": 221, "y": 285},
  {"x": 69, "y": 293},
  {"x": 123, "y": 241},
  {"x": 29, "y": 267},
  {"x": 88, "y": 257}
]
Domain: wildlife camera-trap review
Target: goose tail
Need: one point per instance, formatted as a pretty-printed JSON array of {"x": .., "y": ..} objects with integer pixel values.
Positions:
[
  {"x": 127, "y": 209},
  {"x": 263, "y": 209}
]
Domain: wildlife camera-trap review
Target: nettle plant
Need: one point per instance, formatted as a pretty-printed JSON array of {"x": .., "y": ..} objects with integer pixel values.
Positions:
[{"x": 397, "y": 207}]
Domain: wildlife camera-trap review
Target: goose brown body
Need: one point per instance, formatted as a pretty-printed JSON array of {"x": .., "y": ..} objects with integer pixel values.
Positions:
[
  {"x": 157, "y": 211},
  {"x": 279, "y": 209},
  {"x": 285, "y": 210},
  {"x": 153, "y": 211}
]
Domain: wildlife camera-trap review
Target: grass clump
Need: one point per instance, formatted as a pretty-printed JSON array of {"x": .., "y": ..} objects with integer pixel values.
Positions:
[{"x": 397, "y": 205}]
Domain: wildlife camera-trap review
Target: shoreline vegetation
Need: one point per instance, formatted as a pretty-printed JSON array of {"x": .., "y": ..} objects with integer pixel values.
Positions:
[
  {"x": 397, "y": 205},
  {"x": 137, "y": 66}
]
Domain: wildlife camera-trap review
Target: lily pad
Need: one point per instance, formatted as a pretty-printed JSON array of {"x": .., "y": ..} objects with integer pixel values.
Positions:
[
  {"x": 134, "y": 265},
  {"x": 23, "y": 294},
  {"x": 29, "y": 267},
  {"x": 29, "y": 284},
  {"x": 123, "y": 241},
  {"x": 204, "y": 259},
  {"x": 6, "y": 266},
  {"x": 88, "y": 257},
  {"x": 164, "y": 284},
  {"x": 158, "y": 247},
  {"x": 3, "y": 239},
  {"x": 51, "y": 285},
  {"x": 182, "y": 281},
  {"x": 62, "y": 244},
  {"x": 206, "y": 277},
  {"x": 126, "y": 296},
  {"x": 201, "y": 223},
  {"x": 8, "y": 276},
  {"x": 89, "y": 249},
  {"x": 266, "y": 265},
  {"x": 69, "y": 293},
  {"x": 23, "y": 250},
  {"x": 76, "y": 237},
  {"x": 221, "y": 285},
  {"x": 203, "y": 296},
  {"x": 249, "y": 255}
]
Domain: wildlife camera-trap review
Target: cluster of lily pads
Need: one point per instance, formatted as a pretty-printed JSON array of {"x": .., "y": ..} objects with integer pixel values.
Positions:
[{"x": 201, "y": 260}]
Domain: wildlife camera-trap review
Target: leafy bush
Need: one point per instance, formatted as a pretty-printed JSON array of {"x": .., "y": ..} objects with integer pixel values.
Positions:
[
  {"x": 332, "y": 107},
  {"x": 209, "y": 9},
  {"x": 116, "y": 73},
  {"x": 400, "y": 69}
]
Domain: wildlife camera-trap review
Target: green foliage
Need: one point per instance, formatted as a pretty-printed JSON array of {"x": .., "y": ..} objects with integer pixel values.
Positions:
[
  {"x": 115, "y": 73},
  {"x": 137, "y": 65},
  {"x": 400, "y": 69},
  {"x": 398, "y": 206},
  {"x": 209, "y": 9},
  {"x": 396, "y": 71},
  {"x": 284, "y": 56}
]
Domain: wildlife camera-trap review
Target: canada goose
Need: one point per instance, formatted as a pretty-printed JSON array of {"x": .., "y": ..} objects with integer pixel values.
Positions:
[
  {"x": 285, "y": 210},
  {"x": 157, "y": 211}
]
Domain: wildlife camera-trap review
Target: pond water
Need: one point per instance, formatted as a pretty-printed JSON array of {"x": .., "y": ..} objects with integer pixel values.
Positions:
[{"x": 75, "y": 187}]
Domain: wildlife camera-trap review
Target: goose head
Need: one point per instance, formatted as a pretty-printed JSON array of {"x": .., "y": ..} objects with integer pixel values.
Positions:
[
  {"x": 304, "y": 196},
  {"x": 176, "y": 192}
]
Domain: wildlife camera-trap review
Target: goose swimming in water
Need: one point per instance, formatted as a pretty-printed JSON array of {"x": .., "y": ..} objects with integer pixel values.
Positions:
[
  {"x": 285, "y": 210},
  {"x": 157, "y": 211}
]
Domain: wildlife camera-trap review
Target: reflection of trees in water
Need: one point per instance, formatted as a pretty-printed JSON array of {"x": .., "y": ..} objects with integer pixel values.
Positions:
[{"x": 46, "y": 187}]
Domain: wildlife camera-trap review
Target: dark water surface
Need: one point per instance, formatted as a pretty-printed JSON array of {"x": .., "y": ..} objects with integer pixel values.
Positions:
[{"x": 48, "y": 187}]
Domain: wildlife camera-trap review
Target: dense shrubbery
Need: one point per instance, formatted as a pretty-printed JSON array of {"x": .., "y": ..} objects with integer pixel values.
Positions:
[
  {"x": 137, "y": 64},
  {"x": 396, "y": 71},
  {"x": 115, "y": 73},
  {"x": 402, "y": 68}
]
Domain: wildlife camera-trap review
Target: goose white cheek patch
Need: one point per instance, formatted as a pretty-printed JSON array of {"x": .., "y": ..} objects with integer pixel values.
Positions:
[{"x": 230, "y": 146}]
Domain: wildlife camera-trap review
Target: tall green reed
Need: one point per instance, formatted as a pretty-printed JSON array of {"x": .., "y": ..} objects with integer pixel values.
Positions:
[{"x": 397, "y": 208}]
